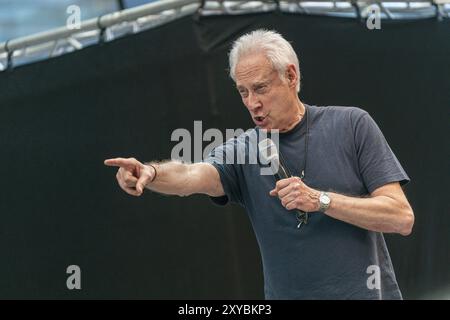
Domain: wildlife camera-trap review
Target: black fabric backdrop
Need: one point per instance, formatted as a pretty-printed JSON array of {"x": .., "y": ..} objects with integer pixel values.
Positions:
[{"x": 59, "y": 119}]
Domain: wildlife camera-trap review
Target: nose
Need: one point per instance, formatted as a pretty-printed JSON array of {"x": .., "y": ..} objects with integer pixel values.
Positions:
[{"x": 253, "y": 102}]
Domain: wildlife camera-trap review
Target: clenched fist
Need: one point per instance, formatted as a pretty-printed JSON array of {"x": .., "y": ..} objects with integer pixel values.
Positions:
[
  {"x": 295, "y": 194},
  {"x": 132, "y": 175}
]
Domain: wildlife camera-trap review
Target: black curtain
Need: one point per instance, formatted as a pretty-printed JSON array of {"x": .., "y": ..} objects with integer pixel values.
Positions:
[{"x": 60, "y": 118}]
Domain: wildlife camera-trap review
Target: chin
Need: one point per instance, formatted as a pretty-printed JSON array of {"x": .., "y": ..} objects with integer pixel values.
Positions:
[{"x": 266, "y": 128}]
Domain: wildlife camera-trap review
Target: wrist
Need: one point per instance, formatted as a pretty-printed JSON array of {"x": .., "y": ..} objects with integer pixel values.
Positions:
[
  {"x": 314, "y": 196},
  {"x": 153, "y": 168},
  {"x": 324, "y": 201}
]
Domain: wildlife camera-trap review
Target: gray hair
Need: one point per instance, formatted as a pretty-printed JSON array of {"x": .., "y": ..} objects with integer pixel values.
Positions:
[{"x": 279, "y": 52}]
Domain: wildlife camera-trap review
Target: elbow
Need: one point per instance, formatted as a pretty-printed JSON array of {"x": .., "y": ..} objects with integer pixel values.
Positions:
[{"x": 407, "y": 222}]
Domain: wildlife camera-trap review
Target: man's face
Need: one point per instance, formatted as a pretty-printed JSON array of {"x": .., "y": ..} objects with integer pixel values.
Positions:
[{"x": 269, "y": 100}]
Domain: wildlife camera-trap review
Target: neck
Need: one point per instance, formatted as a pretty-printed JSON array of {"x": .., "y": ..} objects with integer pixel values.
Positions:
[{"x": 296, "y": 116}]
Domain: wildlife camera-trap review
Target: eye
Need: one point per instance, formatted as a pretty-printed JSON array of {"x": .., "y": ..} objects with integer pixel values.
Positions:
[
  {"x": 243, "y": 93},
  {"x": 261, "y": 88}
]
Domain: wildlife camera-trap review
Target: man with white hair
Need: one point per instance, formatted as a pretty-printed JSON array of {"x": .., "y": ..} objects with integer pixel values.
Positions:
[{"x": 344, "y": 177}]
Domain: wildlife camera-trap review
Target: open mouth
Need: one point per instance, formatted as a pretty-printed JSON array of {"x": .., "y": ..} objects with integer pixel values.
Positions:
[{"x": 260, "y": 119}]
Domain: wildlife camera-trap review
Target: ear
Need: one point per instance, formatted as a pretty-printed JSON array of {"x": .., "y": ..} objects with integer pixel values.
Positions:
[{"x": 291, "y": 75}]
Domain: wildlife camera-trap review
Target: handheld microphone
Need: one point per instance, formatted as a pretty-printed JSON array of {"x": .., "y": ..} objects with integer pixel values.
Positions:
[{"x": 268, "y": 152}]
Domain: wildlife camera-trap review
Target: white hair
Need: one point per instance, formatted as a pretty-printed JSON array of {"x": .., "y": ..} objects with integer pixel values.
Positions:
[{"x": 279, "y": 52}]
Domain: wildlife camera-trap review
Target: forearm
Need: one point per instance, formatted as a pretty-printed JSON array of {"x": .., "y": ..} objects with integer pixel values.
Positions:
[
  {"x": 176, "y": 178},
  {"x": 172, "y": 178},
  {"x": 378, "y": 213}
]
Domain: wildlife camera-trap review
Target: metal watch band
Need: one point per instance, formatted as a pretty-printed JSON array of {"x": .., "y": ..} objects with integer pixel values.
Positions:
[{"x": 323, "y": 206}]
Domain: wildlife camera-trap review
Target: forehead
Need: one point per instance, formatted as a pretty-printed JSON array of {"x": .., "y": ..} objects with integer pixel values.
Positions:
[{"x": 253, "y": 68}]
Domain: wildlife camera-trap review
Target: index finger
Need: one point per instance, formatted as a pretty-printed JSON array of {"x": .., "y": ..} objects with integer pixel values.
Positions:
[
  {"x": 283, "y": 183},
  {"x": 119, "y": 162}
]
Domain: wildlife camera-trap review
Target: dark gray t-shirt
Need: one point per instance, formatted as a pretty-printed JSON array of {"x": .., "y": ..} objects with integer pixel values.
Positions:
[{"x": 327, "y": 258}]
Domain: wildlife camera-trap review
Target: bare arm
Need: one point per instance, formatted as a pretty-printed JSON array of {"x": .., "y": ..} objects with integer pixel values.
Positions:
[
  {"x": 386, "y": 210},
  {"x": 185, "y": 179},
  {"x": 170, "y": 177}
]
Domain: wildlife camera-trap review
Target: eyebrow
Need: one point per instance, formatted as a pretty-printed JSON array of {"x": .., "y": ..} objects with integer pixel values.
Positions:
[
  {"x": 261, "y": 83},
  {"x": 256, "y": 84}
]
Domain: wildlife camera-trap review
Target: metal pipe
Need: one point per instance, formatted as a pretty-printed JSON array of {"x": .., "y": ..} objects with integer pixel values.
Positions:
[
  {"x": 94, "y": 23},
  {"x": 131, "y": 14}
]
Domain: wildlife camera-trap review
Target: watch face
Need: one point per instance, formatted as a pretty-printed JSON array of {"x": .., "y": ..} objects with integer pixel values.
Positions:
[{"x": 324, "y": 199}]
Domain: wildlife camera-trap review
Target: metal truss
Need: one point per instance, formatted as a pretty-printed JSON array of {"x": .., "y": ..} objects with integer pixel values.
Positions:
[
  {"x": 389, "y": 9},
  {"x": 108, "y": 27},
  {"x": 105, "y": 28}
]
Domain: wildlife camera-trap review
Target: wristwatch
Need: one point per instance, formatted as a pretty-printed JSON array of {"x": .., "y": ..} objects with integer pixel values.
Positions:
[{"x": 324, "y": 201}]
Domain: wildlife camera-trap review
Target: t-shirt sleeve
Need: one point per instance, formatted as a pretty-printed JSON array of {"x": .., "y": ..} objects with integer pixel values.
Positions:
[
  {"x": 378, "y": 165},
  {"x": 222, "y": 158}
]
